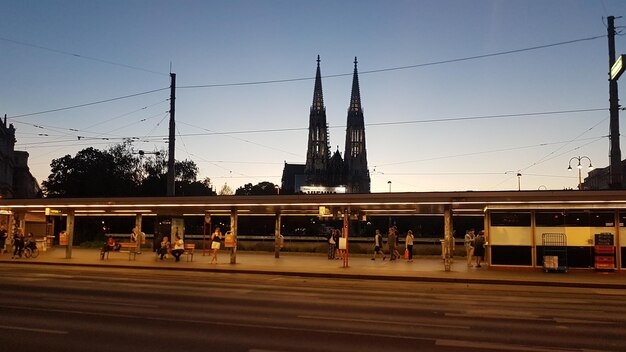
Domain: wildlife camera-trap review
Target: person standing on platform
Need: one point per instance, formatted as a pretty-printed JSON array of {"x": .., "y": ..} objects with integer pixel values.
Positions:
[
  {"x": 136, "y": 236},
  {"x": 409, "y": 245},
  {"x": 378, "y": 245},
  {"x": 216, "y": 239},
  {"x": 391, "y": 241},
  {"x": 479, "y": 248},
  {"x": 331, "y": 244},
  {"x": 469, "y": 245}
]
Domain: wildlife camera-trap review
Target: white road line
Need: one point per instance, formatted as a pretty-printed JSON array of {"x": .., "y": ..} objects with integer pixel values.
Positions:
[
  {"x": 106, "y": 302},
  {"x": 496, "y": 316},
  {"x": 483, "y": 346},
  {"x": 385, "y": 322},
  {"x": 45, "y": 331}
]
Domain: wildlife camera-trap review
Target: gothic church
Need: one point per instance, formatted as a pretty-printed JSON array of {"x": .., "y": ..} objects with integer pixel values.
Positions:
[{"x": 324, "y": 172}]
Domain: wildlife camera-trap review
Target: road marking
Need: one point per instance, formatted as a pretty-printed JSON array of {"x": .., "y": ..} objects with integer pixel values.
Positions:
[
  {"x": 498, "y": 315},
  {"x": 583, "y": 321},
  {"x": 45, "y": 331},
  {"x": 464, "y": 344},
  {"x": 222, "y": 323},
  {"x": 111, "y": 302},
  {"x": 386, "y": 322}
]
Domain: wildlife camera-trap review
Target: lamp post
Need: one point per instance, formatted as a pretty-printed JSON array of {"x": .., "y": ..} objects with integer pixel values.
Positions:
[
  {"x": 579, "y": 166},
  {"x": 519, "y": 178}
]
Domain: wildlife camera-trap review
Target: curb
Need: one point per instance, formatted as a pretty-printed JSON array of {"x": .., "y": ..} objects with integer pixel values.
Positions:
[{"x": 456, "y": 280}]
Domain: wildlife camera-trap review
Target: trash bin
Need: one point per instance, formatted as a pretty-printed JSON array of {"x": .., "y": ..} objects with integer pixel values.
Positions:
[
  {"x": 41, "y": 244},
  {"x": 49, "y": 241}
]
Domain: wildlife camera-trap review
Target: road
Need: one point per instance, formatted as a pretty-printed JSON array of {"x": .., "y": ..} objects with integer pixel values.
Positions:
[{"x": 58, "y": 308}]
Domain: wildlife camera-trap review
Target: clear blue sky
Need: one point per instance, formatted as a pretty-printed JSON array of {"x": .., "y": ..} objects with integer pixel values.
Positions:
[{"x": 56, "y": 54}]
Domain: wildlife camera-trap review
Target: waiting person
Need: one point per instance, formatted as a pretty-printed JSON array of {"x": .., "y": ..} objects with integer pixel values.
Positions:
[
  {"x": 18, "y": 245},
  {"x": 179, "y": 248},
  {"x": 338, "y": 252},
  {"x": 469, "y": 245},
  {"x": 397, "y": 233},
  {"x": 165, "y": 247},
  {"x": 479, "y": 248},
  {"x": 136, "y": 236},
  {"x": 409, "y": 245},
  {"x": 4, "y": 236},
  {"x": 109, "y": 246},
  {"x": 391, "y": 241},
  {"x": 29, "y": 242},
  {"x": 216, "y": 241},
  {"x": 332, "y": 244},
  {"x": 378, "y": 245}
]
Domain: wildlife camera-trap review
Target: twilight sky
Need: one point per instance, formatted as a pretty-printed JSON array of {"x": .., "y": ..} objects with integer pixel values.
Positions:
[{"x": 58, "y": 54}]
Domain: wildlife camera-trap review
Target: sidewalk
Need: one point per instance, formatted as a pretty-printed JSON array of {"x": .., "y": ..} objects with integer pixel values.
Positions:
[{"x": 426, "y": 269}]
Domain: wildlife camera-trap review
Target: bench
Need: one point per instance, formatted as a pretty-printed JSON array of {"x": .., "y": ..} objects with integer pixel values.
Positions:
[
  {"x": 125, "y": 247},
  {"x": 189, "y": 248}
]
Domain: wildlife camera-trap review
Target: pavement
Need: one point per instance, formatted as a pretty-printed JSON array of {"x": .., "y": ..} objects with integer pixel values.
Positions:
[{"x": 424, "y": 269}]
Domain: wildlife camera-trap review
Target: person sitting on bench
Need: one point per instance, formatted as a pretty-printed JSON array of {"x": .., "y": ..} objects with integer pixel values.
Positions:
[{"x": 109, "y": 245}]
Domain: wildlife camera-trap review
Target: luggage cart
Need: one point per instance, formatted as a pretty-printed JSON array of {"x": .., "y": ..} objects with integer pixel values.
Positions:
[{"x": 554, "y": 252}]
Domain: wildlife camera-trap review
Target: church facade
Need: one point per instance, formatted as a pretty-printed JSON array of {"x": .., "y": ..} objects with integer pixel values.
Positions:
[{"x": 324, "y": 172}]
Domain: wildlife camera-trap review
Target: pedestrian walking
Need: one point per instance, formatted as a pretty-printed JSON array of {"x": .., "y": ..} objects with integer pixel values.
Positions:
[
  {"x": 4, "y": 235},
  {"x": 409, "y": 245},
  {"x": 378, "y": 245},
  {"x": 18, "y": 245},
  {"x": 469, "y": 245}
]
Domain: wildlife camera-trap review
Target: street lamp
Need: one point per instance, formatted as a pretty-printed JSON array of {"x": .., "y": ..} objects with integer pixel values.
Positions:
[
  {"x": 519, "y": 178},
  {"x": 579, "y": 166},
  {"x": 389, "y": 183}
]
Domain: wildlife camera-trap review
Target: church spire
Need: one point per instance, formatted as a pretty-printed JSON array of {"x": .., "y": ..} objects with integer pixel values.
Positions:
[
  {"x": 355, "y": 156},
  {"x": 355, "y": 100},
  {"x": 318, "y": 151},
  {"x": 318, "y": 97}
]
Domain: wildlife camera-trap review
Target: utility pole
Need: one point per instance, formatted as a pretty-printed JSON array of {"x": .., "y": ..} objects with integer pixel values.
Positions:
[
  {"x": 614, "y": 150},
  {"x": 170, "y": 162}
]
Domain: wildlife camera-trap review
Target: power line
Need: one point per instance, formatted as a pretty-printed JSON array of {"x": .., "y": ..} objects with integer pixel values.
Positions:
[
  {"x": 450, "y": 119},
  {"x": 88, "y": 104},
  {"x": 434, "y": 63},
  {"x": 82, "y": 56}
]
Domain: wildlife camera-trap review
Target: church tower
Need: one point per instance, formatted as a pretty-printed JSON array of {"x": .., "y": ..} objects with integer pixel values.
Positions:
[
  {"x": 357, "y": 175},
  {"x": 318, "y": 151}
]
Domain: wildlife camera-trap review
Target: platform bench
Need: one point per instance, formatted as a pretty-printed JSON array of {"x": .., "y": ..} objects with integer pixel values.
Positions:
[
  {"x": 125, "y": 247},
  {"x": 189, "y": 249}
]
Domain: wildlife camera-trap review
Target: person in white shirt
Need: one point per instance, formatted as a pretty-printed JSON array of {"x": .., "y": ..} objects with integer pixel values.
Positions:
[
  {"x": 409, "y": 245},
  {"x": 469, "y": 245},
  {"x": 179, "y": 248}
]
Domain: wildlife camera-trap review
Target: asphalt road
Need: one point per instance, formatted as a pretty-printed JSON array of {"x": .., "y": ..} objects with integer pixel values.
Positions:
[{"x": 56, "y": 308}]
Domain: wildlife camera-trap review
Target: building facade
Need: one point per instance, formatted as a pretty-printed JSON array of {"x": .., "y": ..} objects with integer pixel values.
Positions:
[
  {"x": 16, "y": 181},
  {"x": 328, "y": 173}
]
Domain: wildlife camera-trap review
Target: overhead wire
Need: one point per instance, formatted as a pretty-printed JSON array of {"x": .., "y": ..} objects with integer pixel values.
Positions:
[
  {"x": 82, "y": 56},
  {"x": 441, "y": 62},
  {"x": 87, "y": 104}
]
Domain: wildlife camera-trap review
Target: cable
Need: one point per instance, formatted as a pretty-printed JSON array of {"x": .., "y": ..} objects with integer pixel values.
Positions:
[
  {"x": 88, "y": 104},
  {"x": 82, "y": 56},
  {"x": 468, "y": 58}
]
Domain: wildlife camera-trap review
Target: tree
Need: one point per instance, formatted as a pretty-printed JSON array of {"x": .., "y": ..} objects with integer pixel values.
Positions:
[
  {"x": 119, "y": 171},
  {"x": 262, "y": 188},
  {"x": 226, "y": 190}
]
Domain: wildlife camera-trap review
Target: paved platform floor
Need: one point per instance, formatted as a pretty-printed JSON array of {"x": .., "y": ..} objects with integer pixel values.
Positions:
[{"x": 428, "y": 268}]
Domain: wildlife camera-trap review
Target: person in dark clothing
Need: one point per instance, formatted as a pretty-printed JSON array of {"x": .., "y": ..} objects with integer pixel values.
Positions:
[{"x": 18, "y": 245}]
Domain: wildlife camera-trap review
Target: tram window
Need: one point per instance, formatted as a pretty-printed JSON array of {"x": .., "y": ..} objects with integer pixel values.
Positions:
[
  {"x": 510, "y": 219},
  {"x": 550, "y": 219},
  {"x": 599, "y": 219},
  {"x": 578, "y": 218}
]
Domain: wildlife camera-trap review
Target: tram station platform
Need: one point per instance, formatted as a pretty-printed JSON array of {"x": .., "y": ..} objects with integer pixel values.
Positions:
[{"x": 422, "y": 269}]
